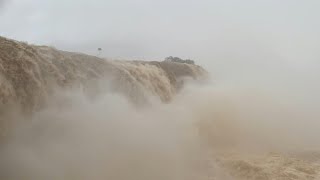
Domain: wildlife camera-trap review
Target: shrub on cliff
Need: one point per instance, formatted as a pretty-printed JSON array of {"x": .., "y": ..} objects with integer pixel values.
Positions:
[{"x": 178, "y": 60}]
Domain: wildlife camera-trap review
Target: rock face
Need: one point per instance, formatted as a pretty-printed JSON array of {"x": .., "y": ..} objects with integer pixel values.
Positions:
[{"x": 30, "y": 74}]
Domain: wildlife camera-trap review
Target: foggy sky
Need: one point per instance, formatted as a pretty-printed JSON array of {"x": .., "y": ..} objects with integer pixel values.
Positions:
[
  {"x": 215, "y": 33},
  {"x": 261, "y": 44}
]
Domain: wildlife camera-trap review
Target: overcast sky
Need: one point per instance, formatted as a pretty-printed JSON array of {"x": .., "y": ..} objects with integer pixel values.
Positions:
[{"x": 216, "y": 33}]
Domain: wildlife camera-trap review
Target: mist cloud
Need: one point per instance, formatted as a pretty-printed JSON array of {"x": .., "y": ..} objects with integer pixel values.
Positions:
[
  {"x": 216, "y": 33},
  {"x": 263, "y": 57}
]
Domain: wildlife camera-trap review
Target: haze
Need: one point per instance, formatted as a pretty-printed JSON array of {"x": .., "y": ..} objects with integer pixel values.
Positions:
[
  {"x": 263, "y": 57},
  {"x": 272, "y": 44},
  {"x": 209, "y": 31}
]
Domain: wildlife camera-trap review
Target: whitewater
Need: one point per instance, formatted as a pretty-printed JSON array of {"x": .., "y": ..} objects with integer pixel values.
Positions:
[{"x": 71, "y": 116}]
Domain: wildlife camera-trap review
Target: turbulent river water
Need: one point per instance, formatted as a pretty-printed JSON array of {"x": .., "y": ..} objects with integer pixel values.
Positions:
[{"x": 72, "y": 116}]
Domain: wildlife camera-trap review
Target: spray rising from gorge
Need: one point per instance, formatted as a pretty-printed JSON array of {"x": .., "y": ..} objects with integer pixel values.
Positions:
[{"x": 73, "y": 116}]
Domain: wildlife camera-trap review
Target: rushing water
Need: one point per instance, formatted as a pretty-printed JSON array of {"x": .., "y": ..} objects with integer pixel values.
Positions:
[{"x": 73, "y": 116}]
